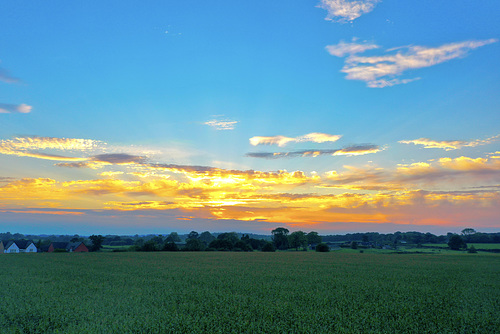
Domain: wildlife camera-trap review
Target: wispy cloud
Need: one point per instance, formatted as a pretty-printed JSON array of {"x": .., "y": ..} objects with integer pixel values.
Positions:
[
  {"x": 282, "y": 140},
  {"x": 221, "y": 124},
  {"x": 31, "y": 147},
  {"x": 449, "y": 145},
  {"x": 347, "y": 11},
  {"x": 351, "y": 150},
  {"x": 383, "y": 71},
  {"x": 343, "y": 48},
  {"x": 6, "y": 108},
  {"x": 5, "y": 76}
]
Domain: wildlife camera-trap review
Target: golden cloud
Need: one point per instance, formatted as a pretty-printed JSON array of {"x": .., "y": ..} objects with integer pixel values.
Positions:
[{"x": 448, "y": 145}]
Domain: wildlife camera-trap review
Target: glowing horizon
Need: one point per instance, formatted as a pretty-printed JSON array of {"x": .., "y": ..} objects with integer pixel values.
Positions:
[{"x": 198, "y": 119}]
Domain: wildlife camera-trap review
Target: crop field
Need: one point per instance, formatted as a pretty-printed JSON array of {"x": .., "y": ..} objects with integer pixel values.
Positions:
[{"x": 224, "y": 292}]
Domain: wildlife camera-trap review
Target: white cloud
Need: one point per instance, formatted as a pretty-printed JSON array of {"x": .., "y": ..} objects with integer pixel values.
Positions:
[
  {"x": 382, "y": 71},
  {"x": 343, "y": 48},
  {"x": 347, "y": 11},
  {"x": 221, "y": 124},
  {"x": 281, "y": 141},
  {"x": 6, "y": 108}
]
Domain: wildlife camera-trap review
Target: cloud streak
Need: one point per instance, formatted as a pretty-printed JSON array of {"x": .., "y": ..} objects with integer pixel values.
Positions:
[
  {"x": 347, "y": 11},
  {"x": 449, "y": 145},
  {"x": 5, "y": 76},
  {"x": 6, "y": 108},
  {"x": 221, "y": 124},
  {"x": 384, "y": 71},
  {"x": 349, "y": 151},
  {"x": 281, "y": 141}
]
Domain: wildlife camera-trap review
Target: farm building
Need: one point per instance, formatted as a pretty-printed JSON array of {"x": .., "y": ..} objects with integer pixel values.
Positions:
[
  {"x": 76, "y": 247},
  {"x": 18, "y": 246}
]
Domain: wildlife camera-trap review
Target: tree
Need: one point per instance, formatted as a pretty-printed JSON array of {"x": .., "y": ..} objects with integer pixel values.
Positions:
[
  {"x": 468, "y": 231},
  {"x": 192, "y": 235},
  {"x": 173, "y": 237},
  {"x": 96, "y": 242},
  {"x": 456, "y": 242},
  {"x": 354, "y": 245},
  {"x": 206, "y": 237},
  {"x": 313, "y": 238},
  {"x": 280, "y": 239},
  {"x": 232, "y": 237},
  {"x": 297, "y": 239},
  {"x": 221, "y": 244},
  {"x": 149, "y": 246},
  {"x": 241, "y": 245},
  {"x": 170, "y": 247},
  {"x": 194, "y": 245}
]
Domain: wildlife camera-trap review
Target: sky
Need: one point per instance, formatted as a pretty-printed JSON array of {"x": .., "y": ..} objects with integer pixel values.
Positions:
[{"x": 336, "y": 116}]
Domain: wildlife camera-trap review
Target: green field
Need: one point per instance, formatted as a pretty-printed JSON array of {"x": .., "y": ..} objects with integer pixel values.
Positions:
[
  {"x": 476, "y": 245},
  {"x": 224, "y": 292}
]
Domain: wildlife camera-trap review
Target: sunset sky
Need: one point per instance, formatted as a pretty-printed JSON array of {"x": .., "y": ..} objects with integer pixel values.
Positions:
[{"x": 334, "y": 116}]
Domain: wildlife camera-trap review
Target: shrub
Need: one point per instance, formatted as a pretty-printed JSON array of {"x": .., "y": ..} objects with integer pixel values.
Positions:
[
  {"x": 472, "y": 249},
  {"x": 268, "y": 247},
  {"x": 322, "y": 247}
]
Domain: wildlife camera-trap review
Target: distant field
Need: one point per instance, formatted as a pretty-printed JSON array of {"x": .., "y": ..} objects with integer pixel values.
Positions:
[
  {"x": 225, "y": 292},
  {"x": 477, "y": 246}
]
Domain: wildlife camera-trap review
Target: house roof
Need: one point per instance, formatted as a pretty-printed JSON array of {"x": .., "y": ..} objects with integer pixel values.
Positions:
[
  {"x": 74, "y": 245},
  {"x": 60, "y": 245},
  {"x": 21, "y": 244}
]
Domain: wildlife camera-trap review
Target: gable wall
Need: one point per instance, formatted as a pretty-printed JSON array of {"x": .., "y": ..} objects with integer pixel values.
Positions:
[{"x": 81, "y": 248}]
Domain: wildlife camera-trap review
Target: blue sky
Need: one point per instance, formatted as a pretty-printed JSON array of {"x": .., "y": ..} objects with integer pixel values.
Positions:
[{"x": 190, "y": 83}]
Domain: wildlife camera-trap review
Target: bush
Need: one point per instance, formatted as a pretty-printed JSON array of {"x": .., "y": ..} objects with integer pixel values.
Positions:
[
  {"x": 322, "y": 247},
  {"x": 472, "y": 249},
  {"x": 268, "y": 247},
  {"x": 170, "y": 247}
]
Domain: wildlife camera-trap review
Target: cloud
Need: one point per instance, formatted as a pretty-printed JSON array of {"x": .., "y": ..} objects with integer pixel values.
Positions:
[
  {"x": 118, "y": 158},
  {"x": 351, "y": 150},
  {"x": 281, "y": 141},
  {"x": 14, "y": 108},
  {"x": 342, "y": 49},
  {"x": 5, "y": 76},
  {"x": 221, "y": 124},
  {"x": 347, "y": 11},
  {"x": 449, "y": 145},
  {"x": 382, "y": 71},
  {"x": 31, "y": 146}
]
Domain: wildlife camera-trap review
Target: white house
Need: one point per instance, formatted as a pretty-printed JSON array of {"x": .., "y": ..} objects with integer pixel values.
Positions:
[{"x": 20, "y": 246}]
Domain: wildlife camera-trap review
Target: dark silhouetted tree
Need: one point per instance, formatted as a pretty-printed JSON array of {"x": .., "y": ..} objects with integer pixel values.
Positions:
[
  {"x": 297, "y": 239},
  {"x": 456, "y": 242},
  {"x": 96, "y": 242},
  {"x": 280, "y": 238},
  {"x": 173, "y": 237}
]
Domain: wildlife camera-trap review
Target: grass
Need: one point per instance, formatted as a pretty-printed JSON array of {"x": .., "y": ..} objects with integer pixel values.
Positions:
[{"x": 224, "y": 292}]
